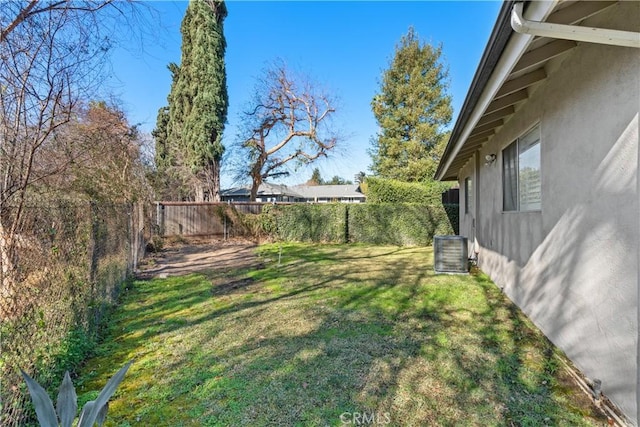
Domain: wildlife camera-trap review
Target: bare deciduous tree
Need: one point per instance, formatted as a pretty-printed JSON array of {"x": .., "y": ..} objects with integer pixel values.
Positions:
[
  {"x": 51, "y": 57},
  {"x": 288, "y": 122}
]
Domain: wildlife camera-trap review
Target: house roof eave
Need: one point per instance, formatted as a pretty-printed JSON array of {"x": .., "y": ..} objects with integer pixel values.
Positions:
[
  {"x": 497, "y": 41},
  {"x": 503, "y": 52}
]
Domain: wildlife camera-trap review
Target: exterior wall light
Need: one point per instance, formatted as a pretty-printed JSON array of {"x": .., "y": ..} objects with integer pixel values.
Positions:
[{"x": 490, "y": 158}]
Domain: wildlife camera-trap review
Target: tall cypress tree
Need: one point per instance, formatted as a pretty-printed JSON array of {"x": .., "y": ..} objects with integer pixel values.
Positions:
[
  {"x": 163, "y": 156},
  {"x": 412, "y": 111},
  {"x": 198, "y": 100}
]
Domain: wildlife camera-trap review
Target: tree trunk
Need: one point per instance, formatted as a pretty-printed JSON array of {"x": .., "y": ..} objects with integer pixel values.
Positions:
[
  {"x": 214, "y": 189},
  {"x": 254, "y": 192},
  {"x": 256, "y": 177},
  {"x": 199, "y": 190},
  {"x": 208, "y": 183}
]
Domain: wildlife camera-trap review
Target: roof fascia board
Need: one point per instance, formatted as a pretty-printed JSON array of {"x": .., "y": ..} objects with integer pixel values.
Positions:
[{"x": 515, "y": 48}]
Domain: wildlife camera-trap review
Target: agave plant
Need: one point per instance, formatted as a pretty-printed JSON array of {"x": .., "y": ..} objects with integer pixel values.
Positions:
[{"x": 94, "y": 411}]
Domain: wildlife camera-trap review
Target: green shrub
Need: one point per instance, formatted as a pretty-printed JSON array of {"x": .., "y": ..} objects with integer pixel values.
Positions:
[
  {"x": 301, "y": 222},
  {"x": 380, "y": 190},
  {"x": 255, "y": 226},
  {"x": 397, "y": 224},
  {"x": 375, "y": 223},
  {"x": 268, "y": 220}
]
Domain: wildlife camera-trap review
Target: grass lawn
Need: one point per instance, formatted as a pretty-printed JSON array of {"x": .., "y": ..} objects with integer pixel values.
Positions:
[{"x": 333, "y": 335}]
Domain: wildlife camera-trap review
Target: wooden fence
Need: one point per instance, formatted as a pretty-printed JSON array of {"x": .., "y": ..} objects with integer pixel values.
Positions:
[{"x": 199, "y": 218}]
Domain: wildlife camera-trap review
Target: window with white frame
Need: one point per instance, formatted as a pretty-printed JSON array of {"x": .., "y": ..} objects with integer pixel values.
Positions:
[
  {"x": 468, "y": 195},
  {"x": 521, "y": 183}
]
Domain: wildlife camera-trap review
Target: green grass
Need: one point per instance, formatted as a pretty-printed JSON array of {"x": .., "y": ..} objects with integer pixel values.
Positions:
[{"x": 333, "y": 331}]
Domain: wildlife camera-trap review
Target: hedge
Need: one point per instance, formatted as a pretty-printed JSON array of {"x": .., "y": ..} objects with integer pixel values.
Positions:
[
  {"x": 379, "y": 223},
  {"x": 381, "y": 190},
  {"x": 399, "y": 224},
  {"x": 324, "y": 223}
]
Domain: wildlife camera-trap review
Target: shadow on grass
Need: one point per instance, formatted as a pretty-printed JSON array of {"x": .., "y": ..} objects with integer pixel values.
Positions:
[{"x": 335, "y": 331}]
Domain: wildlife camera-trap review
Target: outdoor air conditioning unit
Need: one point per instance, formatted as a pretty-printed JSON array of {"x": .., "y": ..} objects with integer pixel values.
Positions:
[{"x": 450, "y": 254}]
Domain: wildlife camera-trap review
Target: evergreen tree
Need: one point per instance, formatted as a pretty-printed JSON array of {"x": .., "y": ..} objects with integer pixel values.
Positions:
[
  {"x": 198, "y": 101},
  {"x": 171, "y": 178},
  {"x": 316, "y": 178},
  {"x": 412, "y": 111},
  {"x": 338, "y": 180},
  {"x": 163, "y": 154}
]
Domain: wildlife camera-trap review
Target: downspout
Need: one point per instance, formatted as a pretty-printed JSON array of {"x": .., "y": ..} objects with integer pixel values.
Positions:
[
  {"x": 572, "y": 32},
  {"x": 476, "y": 207}
]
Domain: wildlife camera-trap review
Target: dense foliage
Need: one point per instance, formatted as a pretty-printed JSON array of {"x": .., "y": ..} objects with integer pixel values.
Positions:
[
  {"x": 400, "y": 223},
  {"x": 308, "y": 223},
  {"x": 189, "y": 132},
  {"x": 102, "y": 154},
  {"x": 169, "y": 180},
  {"x": 413, "y": 110},
  {"x": 380, "y": 190},
  {"x": 316, "y": 179},
  {"x": 380, "y": 223}
]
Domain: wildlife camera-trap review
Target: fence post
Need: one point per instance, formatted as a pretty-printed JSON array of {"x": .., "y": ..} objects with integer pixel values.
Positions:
[{"x": 160, "y": 218}]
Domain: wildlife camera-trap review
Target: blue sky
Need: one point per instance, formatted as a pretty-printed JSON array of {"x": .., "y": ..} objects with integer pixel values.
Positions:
[{"x": 345, "y": 46}]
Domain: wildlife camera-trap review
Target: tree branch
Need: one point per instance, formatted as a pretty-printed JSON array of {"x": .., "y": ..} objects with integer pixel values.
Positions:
[
  {"x": 285, "y": 124},
  {"x": 22, "y": 15}
]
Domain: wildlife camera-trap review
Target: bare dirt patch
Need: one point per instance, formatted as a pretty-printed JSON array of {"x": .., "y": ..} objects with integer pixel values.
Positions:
[{"x": 199, "y": 256}]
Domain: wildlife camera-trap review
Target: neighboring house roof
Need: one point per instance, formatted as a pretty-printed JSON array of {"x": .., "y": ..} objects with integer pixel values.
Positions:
[
  {"x": 308, "y": 192},
  {"x": 265, "y": 189},
  {"x": 511, "y": 68},
  {"x": 235, "y": 192},
  {"x": 329, "y": 191}
]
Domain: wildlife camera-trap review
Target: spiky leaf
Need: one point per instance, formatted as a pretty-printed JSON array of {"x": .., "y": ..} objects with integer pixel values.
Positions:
[
  {"x": 42, "y": 402},
  {"x": 102, "y": 415},
  {"x": 67, "y": 403},
  {"x": 85, "y": 413},
  {"x": 91, "y": 415}
]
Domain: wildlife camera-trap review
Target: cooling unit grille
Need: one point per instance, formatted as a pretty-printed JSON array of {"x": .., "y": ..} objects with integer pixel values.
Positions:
[{"x": 450, "y": 254}]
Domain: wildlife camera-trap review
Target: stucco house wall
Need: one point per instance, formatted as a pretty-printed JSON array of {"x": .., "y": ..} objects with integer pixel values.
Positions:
[{"x": 573, "y": 266}]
